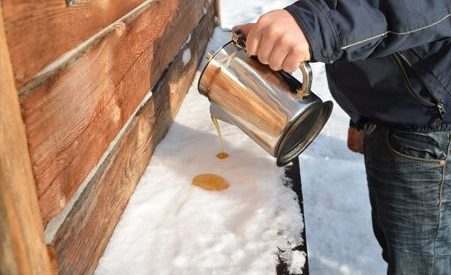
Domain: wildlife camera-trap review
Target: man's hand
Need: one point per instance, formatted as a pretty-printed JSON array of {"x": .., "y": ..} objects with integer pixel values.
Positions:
[
  {"x": 277, "y": 40},
  {"x": 355, "y": 140}
]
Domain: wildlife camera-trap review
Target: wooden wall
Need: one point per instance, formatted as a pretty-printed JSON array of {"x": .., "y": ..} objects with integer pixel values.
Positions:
[
  {"x": 99, "y": 83},
  {"x": 22, "y": 249}
]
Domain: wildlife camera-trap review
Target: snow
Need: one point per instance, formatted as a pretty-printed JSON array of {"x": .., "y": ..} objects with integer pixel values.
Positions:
[
  {"x": 336, "y": 205},
  {"x": 173, "y": 227},
  {"x": 248, "y": 11},
  {"x": 297, "y": 262},
  {"x": 186, "y": 57}
]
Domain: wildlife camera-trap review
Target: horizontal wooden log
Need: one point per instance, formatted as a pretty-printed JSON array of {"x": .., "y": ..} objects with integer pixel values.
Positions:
[
  {"x": 73, "y": 115},
  {"x": 38, "y": 32},
  {"x": 83, "y": 236},
  {"x": 22, "y": 249}
]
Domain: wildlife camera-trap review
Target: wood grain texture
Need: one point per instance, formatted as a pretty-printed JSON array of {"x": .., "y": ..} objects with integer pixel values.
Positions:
[
  {"x": 22, "y": 249},
  {"x": 38, "y": 32},
  {"x": 73, "y": 115},
  {"x": 80, "y": 241}
]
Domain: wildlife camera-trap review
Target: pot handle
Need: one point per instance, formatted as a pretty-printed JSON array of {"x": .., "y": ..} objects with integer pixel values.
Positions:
[
  {"x": 240, "y": 41},
  {"x": 306, "y": 80}
]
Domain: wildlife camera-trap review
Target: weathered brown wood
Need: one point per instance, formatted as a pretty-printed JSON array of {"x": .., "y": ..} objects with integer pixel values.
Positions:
[
  {"x": 82, "y": 238},
  {"x": 74, "y": 114},
  {"x": 218, "y": 12},
  {"x": 39, "y": 31},
  {"x": 22, "y": 249}
]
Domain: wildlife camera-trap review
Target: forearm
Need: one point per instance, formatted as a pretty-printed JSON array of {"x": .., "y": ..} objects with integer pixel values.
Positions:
[{"x": 359, "y": 29}]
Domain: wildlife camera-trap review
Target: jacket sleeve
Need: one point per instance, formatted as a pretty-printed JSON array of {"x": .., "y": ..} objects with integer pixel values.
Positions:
[{"x": 352, "y": 30}]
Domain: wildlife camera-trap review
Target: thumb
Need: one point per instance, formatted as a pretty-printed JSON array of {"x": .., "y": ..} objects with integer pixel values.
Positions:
[{"x": 245, "y": 28}]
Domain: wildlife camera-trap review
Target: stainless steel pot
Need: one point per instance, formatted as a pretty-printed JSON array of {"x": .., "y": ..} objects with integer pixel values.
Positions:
[{"x": 273, "y": 108}]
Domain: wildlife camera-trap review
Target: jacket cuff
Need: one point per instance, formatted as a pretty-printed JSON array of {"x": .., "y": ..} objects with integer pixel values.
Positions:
[{"x": 312, "y": 18}]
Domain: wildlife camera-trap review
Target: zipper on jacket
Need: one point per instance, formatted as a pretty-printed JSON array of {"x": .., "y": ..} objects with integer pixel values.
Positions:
[
  {"x": 439, "y": 104},
  {"x": 408, "y": 84}
]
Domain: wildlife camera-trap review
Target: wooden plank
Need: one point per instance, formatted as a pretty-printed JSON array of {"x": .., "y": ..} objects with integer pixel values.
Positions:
[
  {"x": 82, "y": 238},
  {"x": 74, "y": 114},
  {"x": 22, "y": 249},
  {"x": 38, "y": 32}
]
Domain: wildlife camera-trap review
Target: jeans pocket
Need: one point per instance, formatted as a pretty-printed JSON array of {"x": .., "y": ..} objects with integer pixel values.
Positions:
[{"x": 418, "y": 147}]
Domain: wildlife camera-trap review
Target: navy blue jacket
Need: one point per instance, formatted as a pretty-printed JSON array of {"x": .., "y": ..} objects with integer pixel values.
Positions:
[{"x": 387, "y": 61}]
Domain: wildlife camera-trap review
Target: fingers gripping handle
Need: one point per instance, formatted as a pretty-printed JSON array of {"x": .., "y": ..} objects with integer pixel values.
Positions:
[{"x": 240, "y": 41}]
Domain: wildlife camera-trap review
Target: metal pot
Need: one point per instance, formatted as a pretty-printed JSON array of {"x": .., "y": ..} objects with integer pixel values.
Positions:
[{"x": 273, "y": 108}]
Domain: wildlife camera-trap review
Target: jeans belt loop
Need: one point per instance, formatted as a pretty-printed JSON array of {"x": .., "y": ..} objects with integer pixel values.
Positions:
[{"x": 369, "y": 128}]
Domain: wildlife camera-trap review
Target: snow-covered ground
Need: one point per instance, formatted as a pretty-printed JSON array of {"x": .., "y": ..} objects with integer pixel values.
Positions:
[
  {"x": 173, "y": 227},
  {"x": 336, "y": 205}
]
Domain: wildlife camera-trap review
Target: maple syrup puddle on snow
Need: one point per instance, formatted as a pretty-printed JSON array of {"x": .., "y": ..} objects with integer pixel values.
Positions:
[
  {"x": 213, "y": 182},
  {"x": 210, "y": 182},
  {"x": 222, "y": 155}
]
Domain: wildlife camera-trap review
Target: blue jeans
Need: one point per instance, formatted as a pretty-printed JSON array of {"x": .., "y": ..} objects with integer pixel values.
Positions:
[{"x": 409, "y": 184}]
